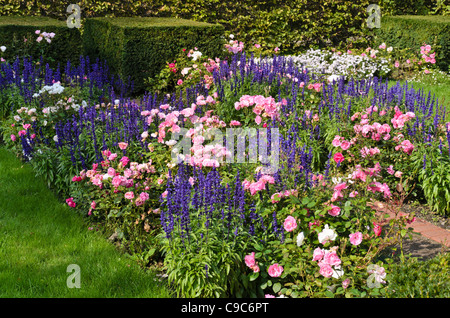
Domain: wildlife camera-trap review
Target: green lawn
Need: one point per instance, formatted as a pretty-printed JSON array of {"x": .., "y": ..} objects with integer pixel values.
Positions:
[{"x": 41, "y": 236}]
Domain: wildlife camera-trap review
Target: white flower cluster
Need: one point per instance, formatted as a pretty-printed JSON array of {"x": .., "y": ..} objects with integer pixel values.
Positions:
[
  {"x": 344, "y": 64},
  {"x": 56, "y": 88}
]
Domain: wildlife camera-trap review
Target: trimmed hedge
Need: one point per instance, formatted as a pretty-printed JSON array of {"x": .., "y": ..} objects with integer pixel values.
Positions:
[
  {"x": 412, "y": 31},
  {"x": 138, "y": 48},
  {"x": 18, "y": 35}
]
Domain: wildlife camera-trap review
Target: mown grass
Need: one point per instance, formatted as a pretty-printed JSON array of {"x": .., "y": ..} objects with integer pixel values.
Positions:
[{"x": 40, "y": 237}]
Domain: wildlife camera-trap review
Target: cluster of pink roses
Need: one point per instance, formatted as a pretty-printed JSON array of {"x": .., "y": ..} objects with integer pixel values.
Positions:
[
  {"x": 329, "y": 262},
  {"x": 234, "y": 46},
  {"x": 259, "y": 185},
  {"x": 425, "y": 51},
  {"x": 276, "y": 197},
  {"x": 71, "y": 203},
  {"x": 262, "y": 106}
]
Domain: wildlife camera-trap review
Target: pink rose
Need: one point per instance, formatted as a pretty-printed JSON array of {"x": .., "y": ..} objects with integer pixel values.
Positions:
[
  {"x": 332, "y": 259},
  {"x": 275, "y": 270},
  {"x": 326, "y": 270},
  {"x": 356, "y": 238},
  {"x": 338, "y": 157},
  {"x": 144, "y": 196},
  {"x": 93, "y": 205},
  {"x": 345, "y": 145},
  {"x": 123, "y": 145},
  {"x": 13, "y": 137},
  {"x": 335, "y": 210},
  {"x": 318, "y": 254},
  {"x": 290, "y": 224},
  {"x": 129, "y": 195},
  {"x": 250, "y": 260}
]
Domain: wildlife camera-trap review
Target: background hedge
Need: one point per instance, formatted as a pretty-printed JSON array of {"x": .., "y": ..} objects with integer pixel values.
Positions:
[
  {"x": 18, "y": 35},
  {"x": 139, "y": 48},
  {"x": 413, "y": 31}
]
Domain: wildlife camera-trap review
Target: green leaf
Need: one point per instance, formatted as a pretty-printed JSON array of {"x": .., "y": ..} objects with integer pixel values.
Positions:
[{"x": 276, "y": 287}]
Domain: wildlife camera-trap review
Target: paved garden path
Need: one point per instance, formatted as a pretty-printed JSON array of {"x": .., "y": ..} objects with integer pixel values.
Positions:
[{"x": 425, "y": 228}]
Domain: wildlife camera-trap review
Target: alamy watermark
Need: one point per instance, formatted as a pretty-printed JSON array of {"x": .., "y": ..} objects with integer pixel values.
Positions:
[
  {"x": 74, "y": 279},
  {"x": 374, "y": 19},
  {"x": 74, "y": 20}
]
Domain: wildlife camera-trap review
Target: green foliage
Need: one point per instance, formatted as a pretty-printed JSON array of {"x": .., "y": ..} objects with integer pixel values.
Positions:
[
  {"x": 139, "y": 48},
  {"x": 416, "y": 279},
  {"x": 411, "y": 32},
  {"x": 19, "y": 37}
]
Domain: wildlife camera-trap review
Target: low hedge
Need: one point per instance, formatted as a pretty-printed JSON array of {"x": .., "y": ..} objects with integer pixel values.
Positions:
[
  {"x": 412, "y": 31},
  {"x": 18, "y": 35},
  {"x": 138, "y": 48}
]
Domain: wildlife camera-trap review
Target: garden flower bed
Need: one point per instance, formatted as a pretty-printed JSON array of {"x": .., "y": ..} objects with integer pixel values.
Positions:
[{"x": 286, "y": 215}]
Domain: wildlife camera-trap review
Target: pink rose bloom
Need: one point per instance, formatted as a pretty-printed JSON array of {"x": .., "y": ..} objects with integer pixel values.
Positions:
[
  {"x": 377, "y": 229},
  {"x": 180, "y": 81},
  {"x": 336, "y": 141},
  {"x": 398, "y": 174},
  {"x": 123, "y": 145},
  {"x": 318, "y": 254},
  {"x": 124, "y": 160},
  {"x": 144, "y": 196},
  {"x": 269, "y": 296},
  {"x": 335, "y": 210},
  {"x": 111, "y": 171},
  {"x": 356, "y": 238},
  {"x": 275, "y": 270},
  {"x": 13, "y": 137},
  {"x": 250, "y": 260},
  {"x": 235, "y": 123},
  {"x": 338, "y": 157},
  {"x": 22, "y": 133},
  {"x": 332, "y": 259},
  {"x": 290, "y": 224},
  {"x": 93, "y": 205},
  {"x": 258, "y": 119},
  {"x": 353, "y": 194},
  {"x": 129, "y": 195},
  {"x": 345, "y": 145},
  {"x": 326, "y": 270}
]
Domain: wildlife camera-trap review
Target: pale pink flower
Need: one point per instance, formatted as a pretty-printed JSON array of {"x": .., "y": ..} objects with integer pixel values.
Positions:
[
  {"x": 326, "y": 270},
  {"x": 290, "y": 224},
  {"x": 129, "y": 195},
  {"x": 356, "y": 238},
  {"x": 275, "y": 270},
  {"x": 250, "y": 260},
  {"x": 318, "y": 254},
  {"x": 123, "y": 145}
]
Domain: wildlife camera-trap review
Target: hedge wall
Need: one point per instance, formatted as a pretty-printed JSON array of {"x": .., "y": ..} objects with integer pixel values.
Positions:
[
  {"x": 412, "y": 31},
  {"x": 18, "y": 35},
  {"x": 140, "y": 47}
]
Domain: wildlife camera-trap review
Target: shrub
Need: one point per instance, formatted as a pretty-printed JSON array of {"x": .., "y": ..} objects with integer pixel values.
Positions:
[
  {"x": 411, "y": 32},
  {"x": 18, "y": 35},
  {"x": 139, "y": 48},
  {"x": 415, "y": 279}
]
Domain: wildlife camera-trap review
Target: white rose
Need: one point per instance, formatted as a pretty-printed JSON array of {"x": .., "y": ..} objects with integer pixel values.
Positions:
[
  {"x": 3, "y": 48},
  {"x": 326, "y": 235},
  {"x": 300, "y": 239}
]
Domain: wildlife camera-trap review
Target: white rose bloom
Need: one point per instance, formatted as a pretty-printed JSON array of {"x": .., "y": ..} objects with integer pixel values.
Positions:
[
  {"x": 337, "y": 272},
  {"x": 171, "y": 142},
  {"x": 300, "y": 239},
  {"x": 3, "y": 48},
  {"x": 55, "y": 138},
  {"x": 196, "y": 55},
  {"x": 327, "y": 234},
  {"x": 389, "y": 49}
]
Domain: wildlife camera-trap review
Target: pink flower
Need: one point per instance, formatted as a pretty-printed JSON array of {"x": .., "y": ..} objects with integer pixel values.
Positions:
[
  {"x": 331, "y": 258},
  {"x": 397, "y": 64},
  {"x": 144, "y": 196},
  {"x": 129, "y": 195},
  {"x": 70, "y": 202},
  {"x": 353, "y": 194},
  {"x": 290, "y": 224},
  {"x": 123, "y": 145},
  {"x": 258, "y": 119},
  {"x": 124, "y": 160},
  {"x": 377, "y": 229},
  {"x": 180, "y": 82},
  {"x": 398, "y": 174},
  {"x": 345, "y": 145},
  {"x": 250, "y": 260},
  {"x": 338, "y": 157},
  {"x": 326, "y": 270},
  {"x": 235, "y": 123},
  {"x": 22, "y": 133},
  {"x": 93, "y": 205},
  {"x": 275, "y": 270},
  {"x": 13, "y": 137},
  {"x": 335, "y": 210},
  {"x": 318, "y": 254},
  {"x": 356, "y": 238}
]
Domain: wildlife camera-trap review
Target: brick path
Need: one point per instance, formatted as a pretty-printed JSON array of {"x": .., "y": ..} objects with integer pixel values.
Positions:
[{"x": 420, "y": 226}]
